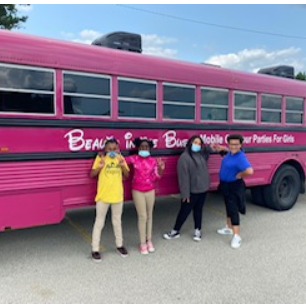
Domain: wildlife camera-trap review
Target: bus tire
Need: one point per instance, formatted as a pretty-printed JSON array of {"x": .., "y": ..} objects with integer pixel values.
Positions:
[
  {"x": 284, "y": 189},
  {"x": 257, "y": 196}
]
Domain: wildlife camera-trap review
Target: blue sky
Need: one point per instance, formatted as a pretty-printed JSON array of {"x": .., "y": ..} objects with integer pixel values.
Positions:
[{"x": 185, "y": 32}]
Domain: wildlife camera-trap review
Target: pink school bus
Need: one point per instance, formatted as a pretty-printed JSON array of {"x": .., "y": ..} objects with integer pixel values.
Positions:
[{"x": 59, "y": 101}]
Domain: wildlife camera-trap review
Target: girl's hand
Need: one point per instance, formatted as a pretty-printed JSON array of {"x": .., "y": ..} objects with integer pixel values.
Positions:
[
  {"x": 102, "y": 163},
  {"x": 238, "y": 176},
  {"x": 121, "y": 160},
  {"x": 160, "y": 165}
]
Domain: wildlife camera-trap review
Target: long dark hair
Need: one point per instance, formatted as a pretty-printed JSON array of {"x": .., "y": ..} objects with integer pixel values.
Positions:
[{"x": 203, "y": 150}]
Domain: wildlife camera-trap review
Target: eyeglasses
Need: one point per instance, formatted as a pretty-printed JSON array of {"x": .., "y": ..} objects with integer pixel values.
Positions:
[{"x": 234, "y": 144}]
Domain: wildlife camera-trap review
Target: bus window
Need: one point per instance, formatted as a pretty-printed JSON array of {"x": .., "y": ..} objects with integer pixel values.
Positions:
[
  {"x": 137, "y": 98},
  {"x": 178, "y": 101},
  {"x": 244, "y": 106},
  {"x": 86, "y": 94},
  {"x": 271, "y": 108},
  {"x": 26, "y": 90},
  {"x": 294, "y": 110},
  {"x": 214, "y": 104}
]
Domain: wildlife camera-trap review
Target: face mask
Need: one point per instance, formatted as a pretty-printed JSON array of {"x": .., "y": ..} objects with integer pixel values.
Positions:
[
  {"x": 195, "y": 148},
  {"x": 112, "y": 154},
  {"x": 144, "y": 153}
]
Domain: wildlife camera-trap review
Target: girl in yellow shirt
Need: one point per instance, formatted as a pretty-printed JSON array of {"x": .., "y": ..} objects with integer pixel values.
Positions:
[{"x": 109, "y": 167}]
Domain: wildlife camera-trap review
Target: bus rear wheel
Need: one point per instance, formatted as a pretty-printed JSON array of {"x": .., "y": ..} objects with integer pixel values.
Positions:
[{"x": 284, "y": 190}]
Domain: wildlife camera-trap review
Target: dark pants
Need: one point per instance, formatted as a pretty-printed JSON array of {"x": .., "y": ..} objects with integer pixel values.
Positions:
[
  {"x": 196, "y": 204},
  {"x": 234, "y": 198}
]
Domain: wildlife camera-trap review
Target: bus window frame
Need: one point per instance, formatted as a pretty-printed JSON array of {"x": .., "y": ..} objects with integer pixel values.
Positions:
[
  {"x": 213, "y": 105},
  {"x": 53, "y": 93},
  {"x": 179, "y": 103},
  {"x": 82, "y": 116},
  {"x": 272, "y": 110},
  {"x": 137, "y": 100},
  {"x": 301, "y": 112},
  {"x": 250, "y": 93}
]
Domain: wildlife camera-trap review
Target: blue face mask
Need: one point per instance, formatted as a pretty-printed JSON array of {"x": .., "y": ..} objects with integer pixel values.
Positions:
[
  {"x": 195, "y": 148},
  {"x": 112, "y": 154},
  {"x": 144, "y": 153}
]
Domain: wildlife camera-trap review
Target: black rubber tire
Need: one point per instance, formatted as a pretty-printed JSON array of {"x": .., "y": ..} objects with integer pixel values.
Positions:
[
  {"x": 257, "y": 196},
  {"x": 284, "y": 190}
]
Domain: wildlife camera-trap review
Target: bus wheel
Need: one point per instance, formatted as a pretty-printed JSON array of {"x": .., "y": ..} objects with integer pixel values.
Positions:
[
  {"x": 257, "y": 196},
  {"x": 284, "y": 190}
]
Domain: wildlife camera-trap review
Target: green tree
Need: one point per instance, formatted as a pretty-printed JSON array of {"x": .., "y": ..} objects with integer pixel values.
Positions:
[
  {"x": 9, "y": 18},
  {"x": 301, "y": 76}
]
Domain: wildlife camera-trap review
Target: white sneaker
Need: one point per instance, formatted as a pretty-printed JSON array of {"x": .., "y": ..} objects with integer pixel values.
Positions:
[
  {"x": 225, "y": 231},
  {"x": 197, "y": 235},
  {"x": 172, "y": 234},
  {"x": 236, "y": 242}
]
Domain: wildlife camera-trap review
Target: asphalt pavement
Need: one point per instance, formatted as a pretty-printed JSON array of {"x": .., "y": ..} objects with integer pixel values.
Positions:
[{"x": 52, "y": 264}]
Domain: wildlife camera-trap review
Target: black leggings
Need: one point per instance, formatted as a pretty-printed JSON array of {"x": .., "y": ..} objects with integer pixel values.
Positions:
[
  {"x": 196, "y": 204},
  {"x": 234, "y": 198}
]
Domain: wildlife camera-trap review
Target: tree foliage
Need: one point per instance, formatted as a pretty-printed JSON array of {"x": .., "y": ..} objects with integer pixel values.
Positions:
[
  {"x": 301, "y": 76},
  {"x": 9, "y": 18}
]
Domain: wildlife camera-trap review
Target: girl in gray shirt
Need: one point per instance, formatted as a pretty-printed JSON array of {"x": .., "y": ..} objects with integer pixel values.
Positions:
[{"x": 194, "y": 183}]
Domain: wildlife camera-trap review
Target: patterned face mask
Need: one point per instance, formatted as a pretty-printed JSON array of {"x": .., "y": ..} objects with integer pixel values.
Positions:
[{"x": 112, "y": 154}]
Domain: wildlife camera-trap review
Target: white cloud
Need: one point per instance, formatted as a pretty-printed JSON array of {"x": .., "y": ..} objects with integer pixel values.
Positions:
[
  {"x": 162, "y": 52},
  {"x": 254, "y": 59},
  {"x": 157, "y": 40},
  {"x": 87, "y": 36},
  {"x": 24, "y": 8},
  {"x": 152, "y": 44}
]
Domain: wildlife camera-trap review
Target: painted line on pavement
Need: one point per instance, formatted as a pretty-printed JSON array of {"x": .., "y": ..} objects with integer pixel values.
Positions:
[{"x": 82, "y": 232}]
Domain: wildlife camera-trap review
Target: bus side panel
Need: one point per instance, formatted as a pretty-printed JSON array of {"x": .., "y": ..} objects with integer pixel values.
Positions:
[
  {"x": 168, "y": 184},
  {"x": 30, "y": 208},
  {"x": 79, "y": 195},
  {"x": 32, "y": 193}
]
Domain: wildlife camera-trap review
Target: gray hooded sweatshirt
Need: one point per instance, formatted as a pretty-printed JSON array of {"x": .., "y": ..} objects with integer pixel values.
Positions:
[{"x": 193, "y": 174}]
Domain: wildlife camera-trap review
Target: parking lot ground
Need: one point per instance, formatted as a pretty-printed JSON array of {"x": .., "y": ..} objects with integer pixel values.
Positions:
[{"x": 52, "y": 264}]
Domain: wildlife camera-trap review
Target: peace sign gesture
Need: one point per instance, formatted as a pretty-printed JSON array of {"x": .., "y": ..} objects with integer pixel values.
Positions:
[
  {"x": 121, "y": 160},
  {"x": 160, "y": 166},
  {"x": 101, "y": 163}
]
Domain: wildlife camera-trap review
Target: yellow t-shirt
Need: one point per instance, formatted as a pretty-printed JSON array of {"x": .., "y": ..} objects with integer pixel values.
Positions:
[{"x": 110, "y": 186}]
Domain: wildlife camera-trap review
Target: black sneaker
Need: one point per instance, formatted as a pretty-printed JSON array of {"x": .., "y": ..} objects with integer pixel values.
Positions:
[
  {"x": 122, "y": 251},
  {"x": 96, "y": 256},
  {"x": 172, "y": 234}
]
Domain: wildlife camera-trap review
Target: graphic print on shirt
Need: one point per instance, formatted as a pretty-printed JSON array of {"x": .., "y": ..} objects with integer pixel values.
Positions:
[{"x": 112, "y": 169}]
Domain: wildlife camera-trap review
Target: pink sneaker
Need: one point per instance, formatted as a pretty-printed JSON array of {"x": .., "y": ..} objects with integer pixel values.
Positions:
[
  {"x": 150, "y": 246},
  {"x": 143, "y": 249}
]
